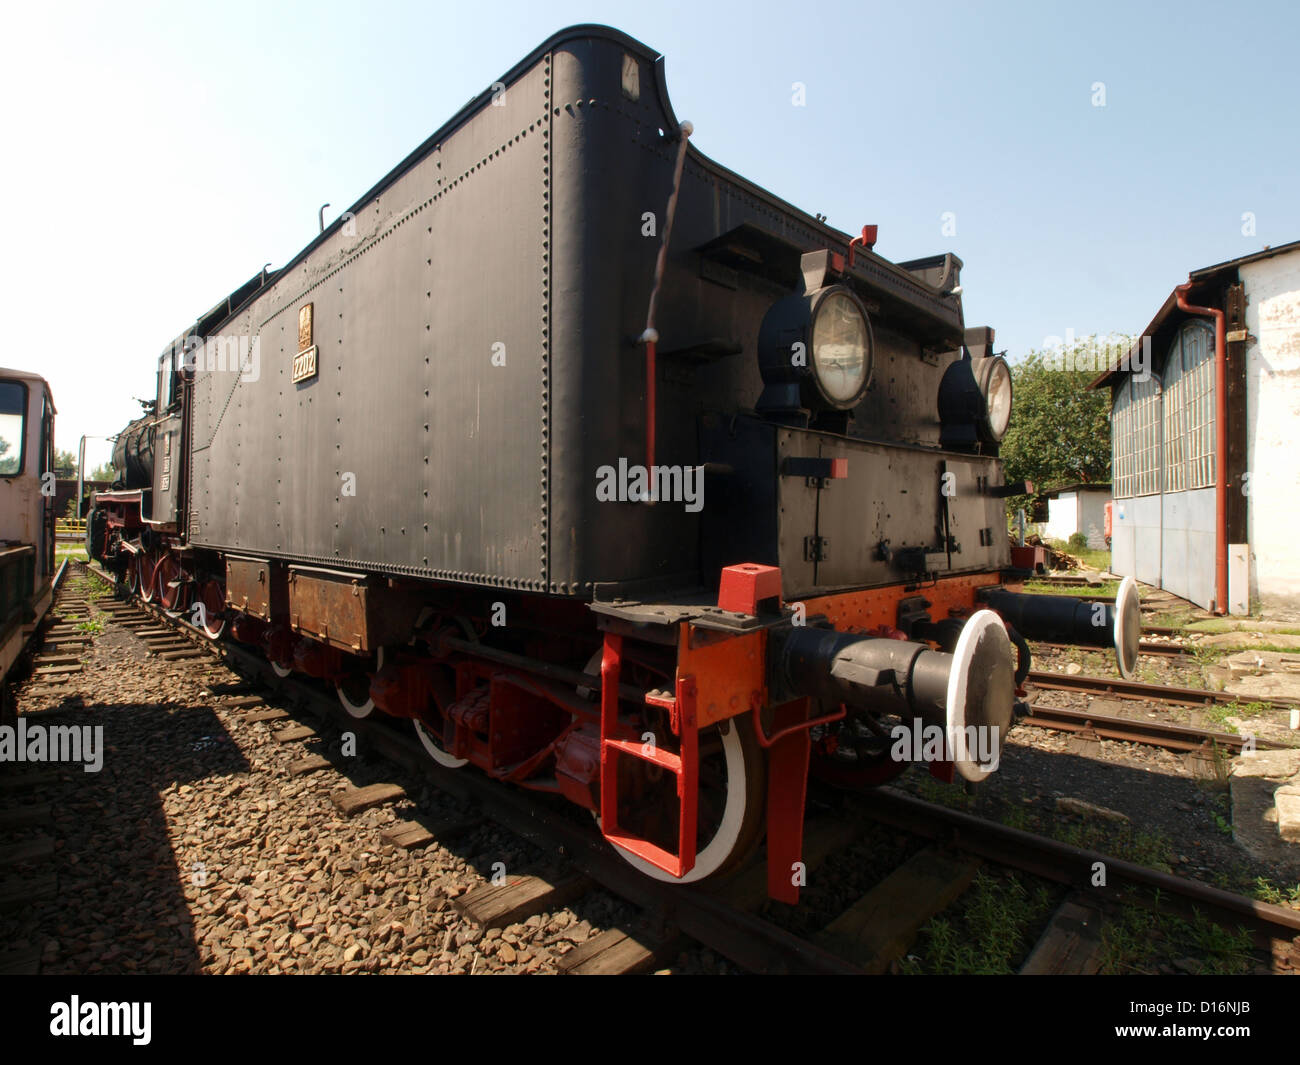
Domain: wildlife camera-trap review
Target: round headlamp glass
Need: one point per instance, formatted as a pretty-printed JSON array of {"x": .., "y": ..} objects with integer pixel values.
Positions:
[
  {"x": 841, "y": 348},
  {"x": 994, "y": 377}
]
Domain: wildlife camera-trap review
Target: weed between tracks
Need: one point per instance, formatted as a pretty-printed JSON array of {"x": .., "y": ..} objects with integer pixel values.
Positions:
[
  {"x": 987, "y": 931},
  {"x": 1140, "y": 941},
  {"x": 92, "y": 626}
]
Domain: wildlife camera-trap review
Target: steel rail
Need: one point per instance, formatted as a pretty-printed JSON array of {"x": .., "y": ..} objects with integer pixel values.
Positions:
[
  {"x": 1134, "y": 689},
  {"x": 1153, "y": 733},
  {"x": 1067, "y": 864}
]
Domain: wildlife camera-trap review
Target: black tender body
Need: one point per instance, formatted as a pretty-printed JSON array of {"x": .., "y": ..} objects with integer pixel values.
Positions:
[{"x": 475, "y": 318}]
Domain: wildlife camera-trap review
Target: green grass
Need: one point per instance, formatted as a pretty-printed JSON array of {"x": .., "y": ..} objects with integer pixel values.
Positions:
[
  {"x": 1174, "y": 619},
  {"x": 1095, "y": 559},
  {"x": 92, "y": 626},
  {"x": 986, "y": 932},
  {"x": 1205, "y": 655},
  {"x": 1266, "y": 891},
  {"x": 1138, "y": 940},
  {"x": 1081, "y": 591},
  {"x": 1219, "y": 713}
]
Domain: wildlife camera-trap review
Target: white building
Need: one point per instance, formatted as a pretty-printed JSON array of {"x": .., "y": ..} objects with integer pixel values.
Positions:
[
  {"x": 1225, "y": 542},
  {"x": 1078, "y": 508}
]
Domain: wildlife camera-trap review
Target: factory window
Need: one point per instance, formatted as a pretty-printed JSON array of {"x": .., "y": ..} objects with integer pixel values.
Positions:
[
  {"x": 1135, "y": 439},
  {"x": 1189, "y": 409}
]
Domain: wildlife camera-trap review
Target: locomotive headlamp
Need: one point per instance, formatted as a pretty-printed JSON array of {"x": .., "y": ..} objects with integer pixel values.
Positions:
[
  {"x": 974, "y": 403},
  {"x": 841, "y": 347},
  {"x": 993, "y": 375},
  {"x": 815, "y": 353}
]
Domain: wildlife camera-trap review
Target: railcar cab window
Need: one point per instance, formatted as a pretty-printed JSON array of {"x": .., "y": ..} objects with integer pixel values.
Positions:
[{"x": 13, "y": 427}]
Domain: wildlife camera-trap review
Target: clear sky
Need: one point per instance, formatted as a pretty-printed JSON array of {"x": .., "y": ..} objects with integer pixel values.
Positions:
[{"x": 156, "y": 156}]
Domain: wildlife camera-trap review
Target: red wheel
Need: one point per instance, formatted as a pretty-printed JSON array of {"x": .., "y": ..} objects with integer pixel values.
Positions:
[
  {"x": 213, "y": 598},
  {"x": 855, "y": 753},
  {"x": 146, "y": 578},
  {"x": 131, "y": 578},
  {"x": 173, "y": 587}
]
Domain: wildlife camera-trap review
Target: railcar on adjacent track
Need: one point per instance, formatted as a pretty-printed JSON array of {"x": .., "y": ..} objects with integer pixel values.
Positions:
[{"x": 26, "y": 509}]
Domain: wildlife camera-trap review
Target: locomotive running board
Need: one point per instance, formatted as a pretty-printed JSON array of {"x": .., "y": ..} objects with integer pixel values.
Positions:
[{"x": 615, "y": 743}]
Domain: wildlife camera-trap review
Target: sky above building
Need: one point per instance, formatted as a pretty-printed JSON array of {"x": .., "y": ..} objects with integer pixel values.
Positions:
[{"x": 1079, "y": 158}]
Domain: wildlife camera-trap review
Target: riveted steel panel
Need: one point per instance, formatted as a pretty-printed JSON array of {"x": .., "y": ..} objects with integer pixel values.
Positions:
[
  {"x": 519, "y": 230},
  {"x": 418, "y": 447}
]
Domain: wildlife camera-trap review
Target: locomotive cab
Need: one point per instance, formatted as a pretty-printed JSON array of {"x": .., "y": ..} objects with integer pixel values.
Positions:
[{"x": 26, "y": 508}]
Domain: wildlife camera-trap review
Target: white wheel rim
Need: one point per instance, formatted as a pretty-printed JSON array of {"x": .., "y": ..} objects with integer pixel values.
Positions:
[
  {"x": 146, "y": 586},
  {"x": 981, "y": 622},
  {"x": 281, "y": 671},
  {"x": 723, "y": 844},
  {"x": 1128, "y": 626},
  {"x": 439, "y": 755},
  {"x": 360, "y": 710}
]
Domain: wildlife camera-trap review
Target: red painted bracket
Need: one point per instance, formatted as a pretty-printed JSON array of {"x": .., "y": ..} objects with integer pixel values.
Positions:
[
  {"x": 787, "y": 787},
  {"x": 743, "y": 587},
  {"x": 614, "y": 744}
]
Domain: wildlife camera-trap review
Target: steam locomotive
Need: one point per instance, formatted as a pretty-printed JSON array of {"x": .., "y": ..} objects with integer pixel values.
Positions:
[{"x": 621, "y": 478}]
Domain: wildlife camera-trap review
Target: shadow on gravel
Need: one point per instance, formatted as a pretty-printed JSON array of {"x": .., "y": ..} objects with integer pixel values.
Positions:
[{"x": 120, "y": 904}]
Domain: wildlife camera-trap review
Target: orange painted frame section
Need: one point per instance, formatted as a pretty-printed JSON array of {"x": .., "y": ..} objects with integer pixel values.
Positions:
[
  {"x": 874, "y": 607},
  {"x": 730, "y": 673}
]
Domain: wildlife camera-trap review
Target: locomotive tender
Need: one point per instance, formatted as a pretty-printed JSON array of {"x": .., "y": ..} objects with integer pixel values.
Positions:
[{"x": 621, "y": 478}]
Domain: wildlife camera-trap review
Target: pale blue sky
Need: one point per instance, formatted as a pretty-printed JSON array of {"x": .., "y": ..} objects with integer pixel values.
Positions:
[{"x": 158, "y": 155}]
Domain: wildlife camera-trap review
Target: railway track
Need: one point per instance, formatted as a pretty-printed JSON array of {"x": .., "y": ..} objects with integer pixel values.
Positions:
[
  {"x": 1171, "y": 737},
  {"x": 1134, "y": 689},
  {"x": 1146, "y": 647},
  {"x": 865, "y": 937}
]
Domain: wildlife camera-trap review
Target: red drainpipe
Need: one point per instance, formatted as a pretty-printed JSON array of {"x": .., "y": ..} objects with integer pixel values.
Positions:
[{"x": 1220, "y": 446}]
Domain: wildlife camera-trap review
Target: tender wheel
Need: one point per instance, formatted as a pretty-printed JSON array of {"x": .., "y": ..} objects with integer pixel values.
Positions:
[
  {"x": 733, "y": 786},
  {"x": 433, "y": 744},
  {"x": 280, "y": 671},
  {"x": 354, "y": 689},
  {"x": 213, "y": 598},
  {"x": 430, "y": 732}
]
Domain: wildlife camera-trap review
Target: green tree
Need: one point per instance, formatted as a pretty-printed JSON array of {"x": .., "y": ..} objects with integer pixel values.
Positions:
[
  {"x": 1060, "y": 429},
  {"x": 65, "y": 464},
  {"x": 103, "y": 472}
]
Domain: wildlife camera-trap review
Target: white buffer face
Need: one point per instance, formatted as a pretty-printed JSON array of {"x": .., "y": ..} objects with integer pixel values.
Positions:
[
  {"x": 981, "y": 695},
  {"x": 1128, "y": 627}
]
